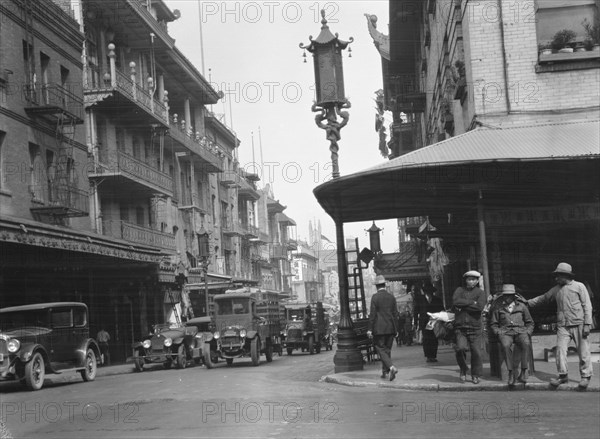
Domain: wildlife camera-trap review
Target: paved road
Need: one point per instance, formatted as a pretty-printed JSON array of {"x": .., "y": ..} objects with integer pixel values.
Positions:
[{"x": 283, "y": 399}]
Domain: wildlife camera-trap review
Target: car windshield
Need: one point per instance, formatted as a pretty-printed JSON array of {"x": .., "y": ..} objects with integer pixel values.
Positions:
[
  {"x": 295, "y": 315},
  {"x": 20, "y": 319},
  {"x": 233, "y": 306}
]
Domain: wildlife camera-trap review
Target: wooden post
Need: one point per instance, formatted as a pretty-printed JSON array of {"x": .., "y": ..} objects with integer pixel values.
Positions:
[{"x": 483, "y": 244}]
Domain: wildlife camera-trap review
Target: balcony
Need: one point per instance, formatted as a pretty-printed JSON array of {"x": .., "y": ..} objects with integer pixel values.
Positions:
[
  {"x": 62, "y": 200},
  {"x": 207, "y": 154},
  {"x": 248, "y": 191},
  {"x": 230, "y": 228},
  {"x": 249, "y": 231},
  {"x": 138, "y": 234},
  {"x": 51, "y": 102},
  {"x": 146, "y": 179},
  {"x": 121, "y": 92},
  {"x": 292, "y": 244},
  {"x": 279, "y": 251}
]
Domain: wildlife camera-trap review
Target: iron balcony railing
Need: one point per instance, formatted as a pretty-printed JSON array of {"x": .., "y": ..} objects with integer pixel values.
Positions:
[
  {"x": 55, "y": 96},
  {"x": 68, "y": 197},
  {"x": 138, "y": 234}
]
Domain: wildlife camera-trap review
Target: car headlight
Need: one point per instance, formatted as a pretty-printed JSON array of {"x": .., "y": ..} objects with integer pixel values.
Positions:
[
  {"x": 304, "y": 333},
  {"x": 168, "y": 342},
  {"x": 13, "y": 345},
  {"x": 217, "y": 334},
  {"x": 146, "y": 344},
  {"x": 243, "y": 333}
]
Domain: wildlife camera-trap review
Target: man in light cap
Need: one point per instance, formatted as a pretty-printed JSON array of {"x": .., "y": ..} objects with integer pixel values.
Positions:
[
  {"x": 384, "y": 325},
  {"x": 573, "y": 321},
  {"x": 512, "y": 323},
  {"x": 468, "y": 303}
]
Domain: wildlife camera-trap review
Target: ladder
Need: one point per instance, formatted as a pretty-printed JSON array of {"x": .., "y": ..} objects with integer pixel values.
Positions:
[
  {"x": 64, "y": 135},
  {"x": 356, "y": 286}
]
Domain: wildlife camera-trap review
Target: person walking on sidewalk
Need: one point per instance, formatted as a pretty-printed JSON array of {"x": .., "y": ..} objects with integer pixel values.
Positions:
[
  {"x": 103, "y": 337},
  {"x": 383, "y": 326},
  {"x": 429, "y": 303},
  {"x": 512, "y": 323},
  {"x": 573, "y": 321},
  {"x": 468, "y": 303}
]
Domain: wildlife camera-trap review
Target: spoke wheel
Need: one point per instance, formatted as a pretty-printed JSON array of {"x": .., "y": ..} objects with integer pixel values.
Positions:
[
  {"x": 206, "y": 357},
  {"x": 138, "y": 362},
  {"x": 181, "y": 359},
  {"x": 35, "y": 372},
  {"x": 90, "y": 366},
  {"x": 255, "y": 351}
]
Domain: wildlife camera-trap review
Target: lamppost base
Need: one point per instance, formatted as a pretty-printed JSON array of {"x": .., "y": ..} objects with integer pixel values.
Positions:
[
  {"x": 347, "y": 360},
  {"x": 347, "y": 357}
]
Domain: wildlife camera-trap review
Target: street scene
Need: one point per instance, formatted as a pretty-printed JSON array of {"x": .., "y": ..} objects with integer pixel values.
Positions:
[{"x": 299, "y": 219}]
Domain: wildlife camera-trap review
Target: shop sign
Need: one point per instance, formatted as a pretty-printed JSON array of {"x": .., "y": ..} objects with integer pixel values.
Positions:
[{"x": 544, "y": 215}]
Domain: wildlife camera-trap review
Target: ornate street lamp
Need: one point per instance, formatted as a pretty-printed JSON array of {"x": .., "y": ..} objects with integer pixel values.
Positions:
[
  {"x": 329, "y": 81},
  {"x": 204, "y": 255},
  {"x": 374, "y": 238},
  {"x": 330, "y": 104}
]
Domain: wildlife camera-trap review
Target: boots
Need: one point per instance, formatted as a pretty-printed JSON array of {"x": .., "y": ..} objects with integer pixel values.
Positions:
[
  {"x": 511, "y": 378},
  {"x": 562, "y": 379},
  {"x": 524, "y": 376}
]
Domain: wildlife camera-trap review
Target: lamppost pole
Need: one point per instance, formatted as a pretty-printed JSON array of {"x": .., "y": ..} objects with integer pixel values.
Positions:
[{"x": 330, "y": 103}]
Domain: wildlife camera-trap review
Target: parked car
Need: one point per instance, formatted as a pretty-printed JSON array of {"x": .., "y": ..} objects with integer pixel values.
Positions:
[
  {"x": 168, "y": 344},
  {"x": 46, "y": 338}
]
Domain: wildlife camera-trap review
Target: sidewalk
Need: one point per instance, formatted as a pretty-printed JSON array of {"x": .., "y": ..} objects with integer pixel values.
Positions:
[{"x": 415, "y": 374}]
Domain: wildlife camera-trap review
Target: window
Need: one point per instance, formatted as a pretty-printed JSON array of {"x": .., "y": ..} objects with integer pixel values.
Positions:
[
  {"x": 45, "y": 64},
  {"x": 139, "y": 216},
  {"x": 124, "y": 213},
  {"x": 552, "y": 16},
  {"x": 36, "y": 171},
  {"x": 61, "y": 318},
  {"x": 79, "y": 317},
  {"x": 2, "y": 176},
  {"x": 50, "y": 174},
  {"x": 135, "y": 145}
]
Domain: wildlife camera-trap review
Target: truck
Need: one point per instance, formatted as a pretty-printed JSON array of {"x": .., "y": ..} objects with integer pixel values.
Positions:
[
  {"x": 306, "y": 328},
  {"x": 246, "y": 325}
]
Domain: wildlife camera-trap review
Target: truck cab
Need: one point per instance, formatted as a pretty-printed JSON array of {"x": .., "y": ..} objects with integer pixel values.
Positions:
[{"x": 243, "y": 327}]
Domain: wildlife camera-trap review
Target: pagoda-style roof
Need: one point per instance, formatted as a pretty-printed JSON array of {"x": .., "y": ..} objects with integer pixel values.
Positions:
[{"x": 325, "y": 37}]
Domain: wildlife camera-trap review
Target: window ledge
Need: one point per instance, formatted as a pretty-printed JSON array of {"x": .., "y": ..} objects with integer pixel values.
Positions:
[{"x": 557, "y": 62}]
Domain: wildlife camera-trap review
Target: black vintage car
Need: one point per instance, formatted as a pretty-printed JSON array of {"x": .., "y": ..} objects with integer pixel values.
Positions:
[
  {"x": 168, "y": 344},
  {"x": 46, "y": 338}
]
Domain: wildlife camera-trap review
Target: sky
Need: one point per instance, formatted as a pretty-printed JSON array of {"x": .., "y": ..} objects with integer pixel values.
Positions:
[{"x": 250, "y": 51}]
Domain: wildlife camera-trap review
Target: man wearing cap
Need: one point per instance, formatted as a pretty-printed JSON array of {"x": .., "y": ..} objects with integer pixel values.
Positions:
[
  {"x": 383, "y": 326},
  {"x": 428, "y": 303},
  {"x": 512, "y": 323},
  {"x": 573, "y": 321},
  {"x": 468, "y": 303}
]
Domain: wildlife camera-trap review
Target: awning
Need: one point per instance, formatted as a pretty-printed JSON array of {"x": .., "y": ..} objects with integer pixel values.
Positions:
[{"x": 513, "y": 167}]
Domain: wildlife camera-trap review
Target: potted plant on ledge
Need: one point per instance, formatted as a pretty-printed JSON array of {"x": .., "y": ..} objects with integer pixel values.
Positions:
[
  {"x": 545, "y": 48},
  {"x": 592, "y": 32},
  {"x": 562, "y": 40}
]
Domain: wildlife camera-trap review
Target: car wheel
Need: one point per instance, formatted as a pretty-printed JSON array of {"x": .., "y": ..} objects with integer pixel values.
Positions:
[
  {"x": 311, "y": 345},
  {"x": 255, "y": 351},
  {"x": 181, "y": 360},
  {"x": 206, "y": 356},
  {"x": 290, "y": 351},
  {"x": 168, "y": 363},
  {"x": 138, "y": 362},
  {"x": 269, "y": 352},
  {"x": 35, "y": 372},
  {"x": 318, "y": 348},
  {"x": 229, "y": 361},
  {"x": 90, "y": 366}
]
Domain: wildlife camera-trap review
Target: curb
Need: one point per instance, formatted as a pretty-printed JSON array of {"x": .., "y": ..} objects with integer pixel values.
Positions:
[{"x": 453, "y": 387}]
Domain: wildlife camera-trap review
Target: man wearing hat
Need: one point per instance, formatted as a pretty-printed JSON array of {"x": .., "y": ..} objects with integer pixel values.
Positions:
[
  {"x": 573, "y": 321},
  {"x": 468, "y": 303},
  {"x": 428, "y": 303},
  {"x": 512, "y": 323},
  {"x": 383, "y": 326}
]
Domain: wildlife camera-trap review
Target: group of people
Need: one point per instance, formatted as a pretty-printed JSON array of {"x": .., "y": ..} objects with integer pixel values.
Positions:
[{"x": 509, "y": 320}]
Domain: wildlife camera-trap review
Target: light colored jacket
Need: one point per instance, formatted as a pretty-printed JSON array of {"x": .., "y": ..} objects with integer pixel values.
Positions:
[{"x": 572, "y": 302}]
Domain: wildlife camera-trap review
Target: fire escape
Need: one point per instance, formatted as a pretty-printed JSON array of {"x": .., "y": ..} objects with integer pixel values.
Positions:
[{"x": 54, "y": 106}]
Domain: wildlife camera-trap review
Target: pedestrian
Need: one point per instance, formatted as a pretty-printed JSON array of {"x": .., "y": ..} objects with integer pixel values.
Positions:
[
  {"x": 573, "y": 321},
  {"x": 468, "y": 303},
  {"x": 103, "y": 337},
  {"x": 383, "y": 326},
  {"x": 418, "y": 298},
  {"x": 429, "y": 303},
  {"x": 511, "y": 322}
]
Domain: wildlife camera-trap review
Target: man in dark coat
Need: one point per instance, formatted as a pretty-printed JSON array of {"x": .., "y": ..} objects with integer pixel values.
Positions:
[
  {"x": 429, "y": 303},
  {"x": 383, "y": 326},
  {"x": 468, "y": 303}
]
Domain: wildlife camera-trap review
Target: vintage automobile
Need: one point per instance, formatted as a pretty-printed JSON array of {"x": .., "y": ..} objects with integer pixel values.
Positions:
[
  {"x": 46, "y": 338},
  {"x": 246, "y": 325},
  {"x": 305, "y": 329},
  {"x": 168, "y": 344}
]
